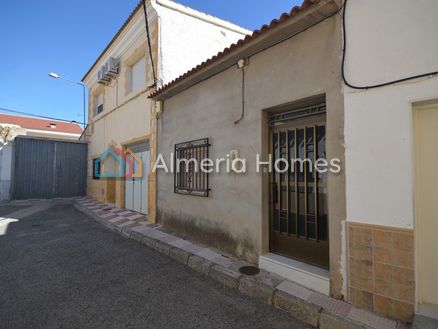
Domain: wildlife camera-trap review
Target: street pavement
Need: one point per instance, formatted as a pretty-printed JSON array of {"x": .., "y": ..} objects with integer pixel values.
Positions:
[{"x": 61, "y": 269}]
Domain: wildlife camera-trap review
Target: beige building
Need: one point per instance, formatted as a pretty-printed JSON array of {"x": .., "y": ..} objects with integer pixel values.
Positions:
[
  {"x": 363, "y": 230},
  {"x": 366, "y": 233},
  {"x": 120, "y": 113},
  {"x": 276, "y": 92}
]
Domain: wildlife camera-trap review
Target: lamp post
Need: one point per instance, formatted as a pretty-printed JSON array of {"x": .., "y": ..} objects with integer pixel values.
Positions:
[{"x": 56, "y": 76}]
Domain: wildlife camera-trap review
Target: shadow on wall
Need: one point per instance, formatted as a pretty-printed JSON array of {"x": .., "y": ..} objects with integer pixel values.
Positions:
[{"x": 191, "y": 227}]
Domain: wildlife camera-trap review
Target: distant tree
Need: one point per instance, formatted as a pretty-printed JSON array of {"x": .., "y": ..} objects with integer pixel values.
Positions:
[{"x": 7, "y": 134}]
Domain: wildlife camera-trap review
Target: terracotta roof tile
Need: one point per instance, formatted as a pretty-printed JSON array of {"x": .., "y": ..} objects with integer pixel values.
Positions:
[
  {"x": 274, "y": 23},
  {"x": 41, "y": 124}
]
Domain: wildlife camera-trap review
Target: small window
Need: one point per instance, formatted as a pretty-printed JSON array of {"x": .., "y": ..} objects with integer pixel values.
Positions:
[
  {"x": 96, "y": 168},
  {"x": 99, "y": 103},
  {"x": 138, "y": 74},
  {"x": 188, "y": 176}
]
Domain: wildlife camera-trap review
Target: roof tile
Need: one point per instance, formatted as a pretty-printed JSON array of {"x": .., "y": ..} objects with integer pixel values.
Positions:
[
  {"x": 41, "y": 124},
  {"x": 274, "y": 23}
]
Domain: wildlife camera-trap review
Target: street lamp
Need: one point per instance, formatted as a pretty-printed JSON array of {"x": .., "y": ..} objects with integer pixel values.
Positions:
[{"x": 56, "y": 76}]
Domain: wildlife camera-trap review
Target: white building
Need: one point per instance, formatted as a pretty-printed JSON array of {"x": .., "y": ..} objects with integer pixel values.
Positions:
[
  {"x": 391, "y": 138},
  {"x": 120, "y": 114}
]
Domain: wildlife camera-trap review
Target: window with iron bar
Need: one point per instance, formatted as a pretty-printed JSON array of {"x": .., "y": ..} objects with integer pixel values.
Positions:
[{"x": 188, "y": 177}]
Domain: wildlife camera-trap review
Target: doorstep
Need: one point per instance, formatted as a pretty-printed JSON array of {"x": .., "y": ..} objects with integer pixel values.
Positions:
[
  {"x": 310, "y": 306},
  {"x": 307, "y": 275},
  {"x": 424, "y": 322}
]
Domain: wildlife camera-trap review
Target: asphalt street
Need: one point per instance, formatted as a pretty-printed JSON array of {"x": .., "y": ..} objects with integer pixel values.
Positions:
[{"x": 61, "y": 269}]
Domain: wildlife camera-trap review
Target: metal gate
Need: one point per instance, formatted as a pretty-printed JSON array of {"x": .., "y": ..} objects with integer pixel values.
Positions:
[
  {"x": 299, "y": 217},
  {"x": 45, "y": 169}
]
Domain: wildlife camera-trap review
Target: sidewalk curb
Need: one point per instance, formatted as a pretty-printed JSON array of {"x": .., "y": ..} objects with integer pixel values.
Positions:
[
  {"x": 257, "y": 290},
  {"x": 321, "y": 311},
  {"x": 298, "y": 308}
]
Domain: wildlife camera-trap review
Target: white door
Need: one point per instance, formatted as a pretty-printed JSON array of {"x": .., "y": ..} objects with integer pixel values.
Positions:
[
  {"x": 129, "y": 190},
  {"x": 137, "y": 186},
  {"x": 145, "y": 156},
  {"x": 426, "y": 214},
  {"x": 136, "y": 189}
]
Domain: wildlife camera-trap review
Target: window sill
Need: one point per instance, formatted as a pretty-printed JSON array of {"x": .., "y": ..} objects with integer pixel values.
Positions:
[{"x": 134, "y": 93}]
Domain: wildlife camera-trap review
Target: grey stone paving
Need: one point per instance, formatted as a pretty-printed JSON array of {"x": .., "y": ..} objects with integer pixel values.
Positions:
[
  {"x": 60, "y": 269},
  {"x": 424, "y": 322}
]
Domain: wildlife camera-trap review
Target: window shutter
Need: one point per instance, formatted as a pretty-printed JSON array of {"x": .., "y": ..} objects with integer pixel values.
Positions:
[{"x": 138, "y": 74}]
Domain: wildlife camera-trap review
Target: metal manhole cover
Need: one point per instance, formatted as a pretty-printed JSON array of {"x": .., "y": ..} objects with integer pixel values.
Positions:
[{"x": 249, "y": 270}]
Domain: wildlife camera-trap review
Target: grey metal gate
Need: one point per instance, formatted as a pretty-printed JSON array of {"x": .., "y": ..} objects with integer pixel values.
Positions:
[{"x": 44, "y": 168}]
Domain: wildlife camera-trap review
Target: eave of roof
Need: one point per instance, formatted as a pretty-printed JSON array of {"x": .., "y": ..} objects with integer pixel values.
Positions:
[
  {"x": 174, "y": 6},
  {"x": 32, "y": 123},
  {"x": 130, "y": 17},
  {"x": 300, "y": 18}
]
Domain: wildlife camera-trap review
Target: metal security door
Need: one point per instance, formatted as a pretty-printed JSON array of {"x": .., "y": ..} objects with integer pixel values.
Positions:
[{"x": 299, "y": 218}]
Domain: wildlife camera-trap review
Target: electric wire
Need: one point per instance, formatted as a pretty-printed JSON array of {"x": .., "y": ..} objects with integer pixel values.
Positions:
[
  {"x": 243, "y": 97},
  {"x": 35, "y": 115},
  {"x": 344, "y": 52},
  {"x": 149, "y": 40}
]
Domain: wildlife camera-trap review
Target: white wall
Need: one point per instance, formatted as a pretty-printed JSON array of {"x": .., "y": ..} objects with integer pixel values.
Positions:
[
  {"x": 386, "y": 40},
  {"x": 187, "y": 38},
  {"x": 5, "y": 171}
]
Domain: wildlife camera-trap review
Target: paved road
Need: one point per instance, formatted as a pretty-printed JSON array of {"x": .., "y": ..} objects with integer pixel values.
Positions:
[{"x": 61, "y": 269}]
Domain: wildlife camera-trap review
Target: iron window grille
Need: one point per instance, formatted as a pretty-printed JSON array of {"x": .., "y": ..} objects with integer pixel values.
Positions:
[
  {"x": 278, "y": 118},
  {"x": 188, "y": 176}
]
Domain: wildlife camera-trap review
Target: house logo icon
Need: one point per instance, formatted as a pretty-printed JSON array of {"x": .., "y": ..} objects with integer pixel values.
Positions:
[{"x": 118, "y": 163}]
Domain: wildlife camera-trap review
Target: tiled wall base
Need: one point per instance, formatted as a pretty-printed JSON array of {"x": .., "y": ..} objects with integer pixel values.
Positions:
[{"x": 381, "y": 270}]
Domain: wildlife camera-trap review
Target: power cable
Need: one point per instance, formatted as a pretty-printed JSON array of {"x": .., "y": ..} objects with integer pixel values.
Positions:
[
  {"x": 149, "y": 40},
  {"x": 35, "y": 115},
  {"x": 344, "y": 52}
]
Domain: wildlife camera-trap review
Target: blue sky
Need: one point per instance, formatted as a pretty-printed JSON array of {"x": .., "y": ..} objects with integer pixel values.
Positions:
[{"x": 38, "y": 37}]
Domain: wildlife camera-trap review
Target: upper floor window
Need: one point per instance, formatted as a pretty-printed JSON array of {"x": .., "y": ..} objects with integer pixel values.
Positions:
[
  {"x": 138, "y": 74},
  {"x": 99, "y": 103}
]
